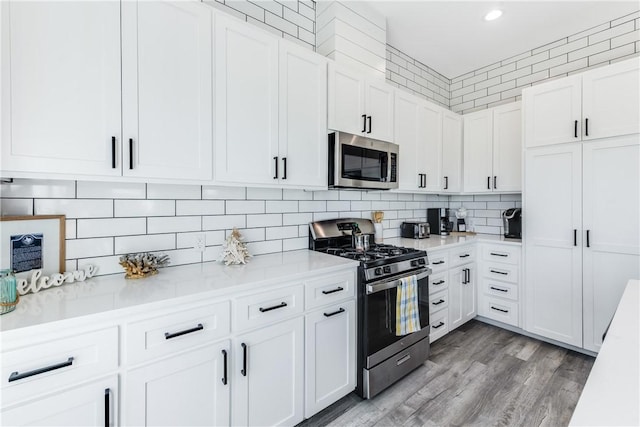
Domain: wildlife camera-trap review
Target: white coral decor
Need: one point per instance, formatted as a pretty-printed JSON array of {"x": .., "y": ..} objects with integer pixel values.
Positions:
[{"x": 234, "y": 251}]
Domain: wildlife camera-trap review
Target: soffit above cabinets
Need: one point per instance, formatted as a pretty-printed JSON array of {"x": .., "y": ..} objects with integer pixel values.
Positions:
[{"x": 453, "y": 38}]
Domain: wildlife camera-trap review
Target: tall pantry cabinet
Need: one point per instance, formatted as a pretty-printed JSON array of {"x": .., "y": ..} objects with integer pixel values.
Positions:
[{"x": 582, "y": 201}]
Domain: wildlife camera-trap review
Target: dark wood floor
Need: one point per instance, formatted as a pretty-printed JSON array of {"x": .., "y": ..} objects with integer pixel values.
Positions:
[{"x": 478, "y": 375}]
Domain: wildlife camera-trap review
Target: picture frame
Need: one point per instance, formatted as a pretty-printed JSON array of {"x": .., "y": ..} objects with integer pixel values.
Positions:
[{"x": 32, "y": 242}]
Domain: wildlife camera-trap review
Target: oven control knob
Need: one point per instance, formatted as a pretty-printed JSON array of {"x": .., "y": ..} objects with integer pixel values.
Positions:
[
  {"x": 421, "y": 261},
  {"x": 377, "y": 271},
  {"x": 414, "y": 263},
  {"x": 387, "y": 269}
]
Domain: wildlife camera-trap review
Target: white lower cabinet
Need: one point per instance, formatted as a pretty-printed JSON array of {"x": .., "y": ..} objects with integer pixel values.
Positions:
[
  {"x": 499, "y": 282},
  {"x": 462, "y": 295},
  {"x": 268, "y": 375},
  {"x": 190, "y": 388},
  {"x": 330, "y": 355}
]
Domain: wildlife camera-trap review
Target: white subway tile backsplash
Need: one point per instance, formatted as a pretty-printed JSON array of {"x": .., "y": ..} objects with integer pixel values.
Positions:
[
  {"x": 266, "y": 247},
  {"x": 88, "y": 248},
  {"x": 338, "y": 205},
  {"x": 612, "y": 32},
  {"x": 264, "y": 194},
  {"x": 277, "y": 206},
  {"x": 273, "y": 233},
  {"x": 267, "y": 220},
  {"x": 111, "y": 190},
  {"x": 39, "y": 188},
  {"x": 173, "y": 191},
  {"x": 553, "y": 62},
  {"x": 297, "y": 218},
  {"x": 70, "y": 229},
  {"x": 244, "y": 206},
  {"x": 146, "y": 243},
  {"x": 133, "y": 208},
  {"x": 104, "y": 265},
  {"x": 568, "y": 67},
  {"x": 223, "y": 222},
  {"x": 173, "y": 224},
  {"x": 183, "y": 256},
  {"x": 295, "y": 244},
  {"x": 589, "y": 50},
  {"x": 223, "y": 193},
  {"x": 312, "y": 206},
  {"x": 16, "y": 207},
  {"x": 199, "y": 207},
  {"x": 249, "y": 234},
  {"x": 74, "y": 208},
  {"x": 608, "y": 55},
  {"x": 110, "y": 227},
  {"x": 624, "y": 39},
  {"x": 361, "y": 206},
  {"x": 288, "y": 194}
]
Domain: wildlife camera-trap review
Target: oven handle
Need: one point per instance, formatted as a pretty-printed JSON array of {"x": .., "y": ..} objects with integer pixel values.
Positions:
[{"x": 384, "y": 285}]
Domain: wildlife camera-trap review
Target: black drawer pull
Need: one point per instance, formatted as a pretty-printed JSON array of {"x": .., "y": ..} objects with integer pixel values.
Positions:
[
  {"x": 575, "y": 129},
  {"x": 15, "y": 376},
  {"x": 338, "y": 289},
  {"x": 113, "y": 152},
  {"x": 438, "y": 283},
  {"x": 275, "y": 307},
  {"x": 446, "y": 182},
  {"x": 364, "y": 123},
  {"x": 438, "y": 302},
  {"x": 499, "y": 272},
  {"x": 244, "y": 360},
  {"x": 130, "y": 153},
  {"x": 586, "y": 127},
  {"x": 488, "y": 183},
  {"x": 498, "y": 289},
  {"x": 284, "y": 164},
  {"x": 224, "y": 367},
  {"x": 275, "y": 161},
  {"x": 438, "y": 263},
  {"x": 107, "y": 407},
  {"x": 499, "y": 309},
  {"x": 495, "y": 254},
  {"x": 168, "y": 336},
  {"x": 342, "y": 310},
  {"x": 439, "y": 325},
  {"x": 465, "y": 255}
]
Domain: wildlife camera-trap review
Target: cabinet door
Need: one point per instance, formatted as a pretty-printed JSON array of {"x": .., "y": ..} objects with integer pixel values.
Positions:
[
  {"x": 462, "y": 295},
  {"x": 429, "y": 155},
  {"x": 270, "y": 391},
  {"x": 330, "y": 353},
  {"x": 303, "y": 117},
  {"x": 553, "y": 203},
  {"x": 552, "y": 112},
  {"x": 61, "y": 87},
  {"x": 406, "y": 132},
  {"x": 611, "y": 215},
  {"x": 91, "y": 404},
  {"x": 167, "y": 94},
  {"x": 611, "y": 100},
  {"x": 346, "y": 100},
  {"x": 451, "y": 152},
  {"x": 478, "y": 142},
  {"x": 507, "y": 147},
  {"x": 379, "y": 110},
  {"x": 186, "y": 389},
  {"x": 246, "y": 102}
]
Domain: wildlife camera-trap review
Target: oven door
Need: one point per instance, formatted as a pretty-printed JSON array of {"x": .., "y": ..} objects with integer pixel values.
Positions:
[
  {"x": 380, "y": 339},
  {"x": 365, "y": 163}
]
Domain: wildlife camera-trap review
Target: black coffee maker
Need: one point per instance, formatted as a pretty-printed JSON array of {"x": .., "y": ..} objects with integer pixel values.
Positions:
[
  {"x": 512, "y": 219},
  {"x": 439, "y": 222}
]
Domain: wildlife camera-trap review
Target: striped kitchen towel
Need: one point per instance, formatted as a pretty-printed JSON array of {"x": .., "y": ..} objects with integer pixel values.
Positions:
[{"x": 407, "y": 314}]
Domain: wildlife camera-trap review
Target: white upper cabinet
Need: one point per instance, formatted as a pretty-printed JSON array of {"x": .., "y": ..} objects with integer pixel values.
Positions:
[
  {"x": 167, "y": 90},
  {"x": 451, "y": 152},
  {"x": 360, "y": 105},
  {"x": 61, "y": 87},
  {"x": 493, "y": 149},
  {"x": 406, "y": 133},
  {"x": 429, "y": 152},
  {"x": 596, "y": 104}
]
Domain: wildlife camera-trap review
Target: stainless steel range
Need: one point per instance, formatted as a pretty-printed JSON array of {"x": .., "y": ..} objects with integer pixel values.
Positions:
[{"x": 383, "y": 356}]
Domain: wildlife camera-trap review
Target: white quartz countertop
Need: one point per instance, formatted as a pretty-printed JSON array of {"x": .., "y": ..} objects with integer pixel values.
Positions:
[
  {"x": 434, "y": 242},
  {"x": 104, "y": 294},
  {"x": 611, "y": 396}
]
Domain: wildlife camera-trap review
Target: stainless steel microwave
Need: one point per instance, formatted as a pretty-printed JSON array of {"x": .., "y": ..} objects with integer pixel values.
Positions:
[{"x": 359, "y": 162}]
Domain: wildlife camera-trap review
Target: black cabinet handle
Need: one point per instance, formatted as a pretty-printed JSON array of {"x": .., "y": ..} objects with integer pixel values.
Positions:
[
  {"x": 499, "y": 272},
  {"x": 338, "y": 289},
  {"x": 275, "y": 161},
  {"x": 342, "y": 310},
  {"x": 168, "y": 336},
  {"x": 438, "y": 283},
  {"x": 495, "y": 182},
  {"x": 499, "y": 309},
  {"x": 224, "y": 367},
  {"x": 586, "y": 127},
  {"x": 438, "y": 263},
  {"x": 284, "y": 163},
  {"x": 244, "y": 360},
  {"x": 369, "y": 118},
  {"x": 107, "y": 407},
  {"x": 588, "y": 243},
  {"x": 465, "y": 256},
  {"x": 275, "y": 307},
  {"x": 468, "y": 275},
  {"x": 575, "y": 129},
  {"x": 113, "y": 152},
  {"x": 488, "y": 183},
  {"x": 15, "y": 376},
  {"x": 130, "y": 153},
  {"x": 496, "y": 254},
  {"x": 498, "y": 289},
  {"x": 446, "y": 182},
  {"x": 575, "y": 237},
  {"x": 439, "y": 325},
  {"x": 364, "y": 123},
  {"x": 438, "y": 302}
]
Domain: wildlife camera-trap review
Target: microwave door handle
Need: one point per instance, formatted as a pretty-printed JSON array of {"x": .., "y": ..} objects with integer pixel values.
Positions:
[{"x": 383, "y": 285}]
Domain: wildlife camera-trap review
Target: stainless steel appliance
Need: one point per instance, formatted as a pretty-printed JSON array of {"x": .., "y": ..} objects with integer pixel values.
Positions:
[
  {"x": 415, "y": 230},
  {"x": 382, "y": 356},
  {"x": 512, "y": 219},
  {"x": 359, "y": 162},
  {"x": 438, "y": 219}
]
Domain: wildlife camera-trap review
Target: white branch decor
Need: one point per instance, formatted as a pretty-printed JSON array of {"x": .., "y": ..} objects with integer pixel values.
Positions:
[
  {"x": 138, "y": 266},
  {"x": 234, "y": 251}
]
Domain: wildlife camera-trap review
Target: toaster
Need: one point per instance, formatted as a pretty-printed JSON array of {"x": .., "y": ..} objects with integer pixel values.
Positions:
[{"x": 415, "y": 230}]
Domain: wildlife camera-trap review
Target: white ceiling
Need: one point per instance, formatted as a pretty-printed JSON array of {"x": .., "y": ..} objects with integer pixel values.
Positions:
[{"x": 453, "y": 38}]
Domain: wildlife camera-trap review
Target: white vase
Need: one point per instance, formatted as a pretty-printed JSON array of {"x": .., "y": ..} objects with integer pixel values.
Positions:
[{"x": 377, "y": 229}]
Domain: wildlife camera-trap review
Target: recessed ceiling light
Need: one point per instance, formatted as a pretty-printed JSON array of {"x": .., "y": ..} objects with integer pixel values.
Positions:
[{"x": 494, "y": 14}]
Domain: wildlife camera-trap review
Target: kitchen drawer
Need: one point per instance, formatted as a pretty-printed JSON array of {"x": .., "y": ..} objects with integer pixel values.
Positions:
[
  {"x": 438, "y": 282},
  {"x": 438, "y": 301},
  {"x": 499, "y": 309},
  {"x": 501, "y": 253},
  {"x": 261, "y": 309},
  {"x": 326, "y": 290},
  {"x": 175, "y": 331},
  {"x": 438, "y": 261},
  {"x": 439, "y": 325},
  {"x": 502, "y": 272},
  {"x": 499, "y": 289},
  {"x": 47, "y": 366},
  {"x": 462, "y": 255}
]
